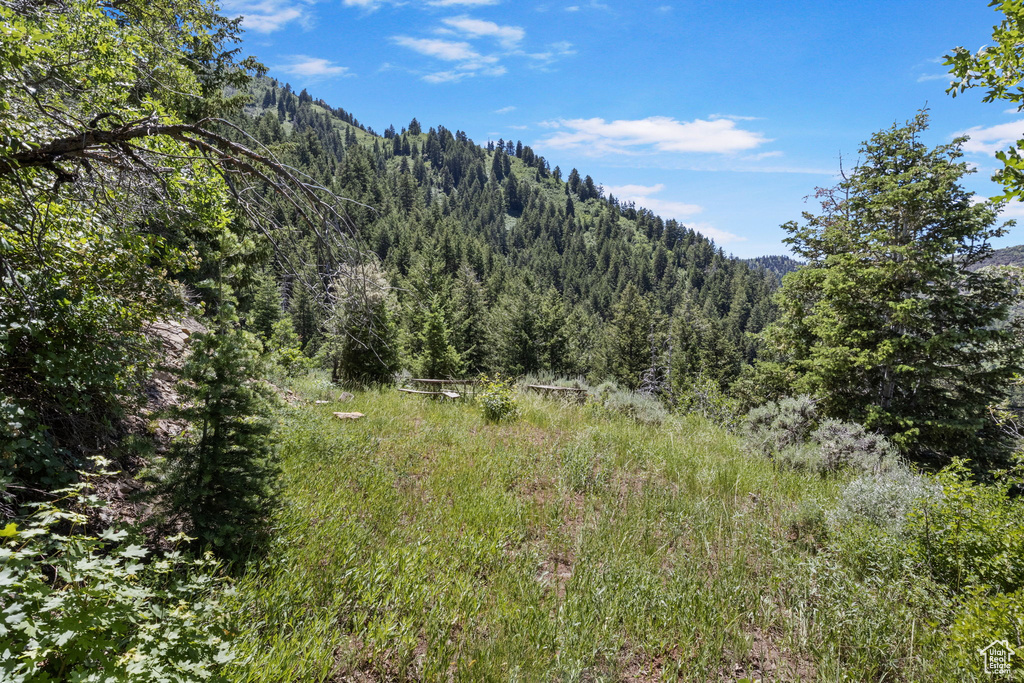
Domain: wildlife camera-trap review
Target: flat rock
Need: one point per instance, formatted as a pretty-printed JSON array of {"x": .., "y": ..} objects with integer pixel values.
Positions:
[{"x": 348, "y": 416}]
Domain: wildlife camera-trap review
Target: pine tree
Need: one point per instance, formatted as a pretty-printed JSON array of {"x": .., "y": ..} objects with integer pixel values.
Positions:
[
  {"x": 470, "y": 334},
  {"x": 702, "y": 349},
  {"x": 439, "y": 359},
  {"x": 889, "y": 323},
  {"x": 361, "y": 337},
  {"x": 628, "y": 346},
  {"x": 266, "y": 308},
  {"x": 221, "y": 474}
]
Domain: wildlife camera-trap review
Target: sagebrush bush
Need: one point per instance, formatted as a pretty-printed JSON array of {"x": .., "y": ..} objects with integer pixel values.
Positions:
[
  {"x": 644, "y": 409},
  {"x": 604, "y": 390},
  {"x": 883, "y": 499},
  {"x": 790, "y": 432},
  {"x": 497, "y": 399},
  {"x": 846, "y": 444},
  {"x": 802, "y": 457},
  {"x": 778, "y": 425}
]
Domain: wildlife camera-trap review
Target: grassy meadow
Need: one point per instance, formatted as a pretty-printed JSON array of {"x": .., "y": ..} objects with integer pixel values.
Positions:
[{"x": 422, "y": 543}]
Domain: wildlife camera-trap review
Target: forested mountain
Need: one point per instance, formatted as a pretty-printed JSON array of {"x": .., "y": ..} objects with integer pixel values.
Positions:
[
  {"x": 780, "y": 265},
  {"x": 1007, "y": 256},
  {"x": 495, "y": 261}
]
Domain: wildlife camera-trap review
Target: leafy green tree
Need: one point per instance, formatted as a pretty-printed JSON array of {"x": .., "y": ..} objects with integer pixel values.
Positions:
[
  {"x": 93, "y": 237},
  {"x": 889, "y": 323},
  {"x": 361, "y": 338},
  {"x": 999, "y": 70}
]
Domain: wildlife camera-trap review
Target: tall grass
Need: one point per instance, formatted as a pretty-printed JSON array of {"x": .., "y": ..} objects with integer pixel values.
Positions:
[{"x": 424, "y": 543}]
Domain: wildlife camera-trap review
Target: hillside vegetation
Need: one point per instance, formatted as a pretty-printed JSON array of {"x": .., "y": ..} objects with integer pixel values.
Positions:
[
  {"x": 812, "y": 479},
  {"x": 425, "y": 543}
]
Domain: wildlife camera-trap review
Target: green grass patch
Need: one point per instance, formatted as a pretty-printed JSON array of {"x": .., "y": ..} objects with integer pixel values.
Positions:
[{"x": 425, "y": 543}]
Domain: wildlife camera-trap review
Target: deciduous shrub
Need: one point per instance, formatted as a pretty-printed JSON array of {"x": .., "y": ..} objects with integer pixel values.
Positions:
[
  {"x": 972, "y": 537},
  {"x": 497, "y": 398},
  {"x": 91, "y": 608}
]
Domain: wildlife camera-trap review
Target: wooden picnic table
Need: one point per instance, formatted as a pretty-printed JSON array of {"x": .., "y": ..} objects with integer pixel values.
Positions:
[
  {"x": 446, "y": 394},
  {"x": 466, "y": 386}
]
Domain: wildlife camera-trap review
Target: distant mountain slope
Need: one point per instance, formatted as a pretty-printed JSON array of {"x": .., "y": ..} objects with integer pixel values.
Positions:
[
  {"x": 1008, "y": 256},
  {"x": 542, "y": 258},
  {"x": 779, "y": 265}
]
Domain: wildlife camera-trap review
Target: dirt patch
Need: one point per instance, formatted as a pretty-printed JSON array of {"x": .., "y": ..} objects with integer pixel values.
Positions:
[
  {"x": 643, "y": 668},
  {"x": 767, "y": 660},
  {"x": 555, "y": 573}
]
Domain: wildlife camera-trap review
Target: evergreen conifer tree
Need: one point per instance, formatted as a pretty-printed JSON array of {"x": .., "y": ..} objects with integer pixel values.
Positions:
[
  {"x": 439, "y": 359},
  {"x": 628, "y": 345},
  {"x": 221, "y": 475},
  {"x": 889, "y": 323}
]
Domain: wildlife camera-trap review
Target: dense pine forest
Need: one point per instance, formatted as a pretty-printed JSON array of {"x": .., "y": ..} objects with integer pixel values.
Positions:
[
  {"x": 496, "y": 262},
  {"x": 659, "y": 462}
]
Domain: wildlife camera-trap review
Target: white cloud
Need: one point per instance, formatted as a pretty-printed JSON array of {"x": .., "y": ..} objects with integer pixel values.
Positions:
[
  {"x": 461, "y": 45},
  {"x": 1013, "y": 210},
  {"x": 505, "y": 110},
  {"x": 447, "y": 50},
  {"x": 312, "y": 67},
  {"x": 446, "y": 76},
  {"x": 993, "y": 138},
  {"x": 560, "y": 49},
  {"x": 763, "y": 155},
  {"x": 934, "y": 77},
  {"x": 654, "y": 134},
  {"x": 719, "y": 236},
  {"x": 267, "y": 16},
  {"x": 508, "y": 36},
  {"x": 467, "y": 61},
  {"x": 519, "y": 127},
  {"x": 735, "y": 117},
  {"x": 641, "y": 195},
  {"x": 368, "y": 5}
]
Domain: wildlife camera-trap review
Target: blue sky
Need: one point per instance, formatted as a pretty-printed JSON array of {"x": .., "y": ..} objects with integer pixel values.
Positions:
[{"x": 723, "y": 114}]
